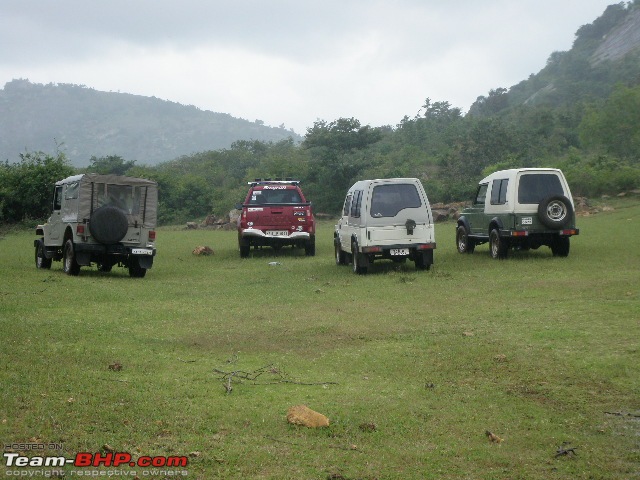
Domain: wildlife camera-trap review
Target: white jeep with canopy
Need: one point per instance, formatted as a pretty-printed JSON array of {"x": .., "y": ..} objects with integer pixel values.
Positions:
[{"x": 103, "y": 219}]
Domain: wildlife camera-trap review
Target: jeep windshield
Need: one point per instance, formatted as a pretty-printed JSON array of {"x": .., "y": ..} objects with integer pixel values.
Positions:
[
  {"x": 389, "y": 200},
  {"x": 279, "y": 197},
  {"x": 535, "y": 187}
]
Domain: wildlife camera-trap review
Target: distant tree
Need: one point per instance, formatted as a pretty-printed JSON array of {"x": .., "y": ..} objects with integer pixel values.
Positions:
[
  {"x": 614, "y": 126},
  {"x": 590, "y": 34},
  {"x": 497, "y": 101},
  {"x": 340, "y": 136},
  {"x": 26, "y": 187},
  {"x": 282, "y": 159},
  {"x": 487, "y": 142},
  {"x": 336, "y": 158},
  {"x": 111, "y": 164},
  {"x": 441, "y": 110}
]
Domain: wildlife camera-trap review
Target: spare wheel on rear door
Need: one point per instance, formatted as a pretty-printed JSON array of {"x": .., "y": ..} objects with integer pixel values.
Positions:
[
  {"x": 555, "y": 211},
  {"x": 108, "y": 224}
]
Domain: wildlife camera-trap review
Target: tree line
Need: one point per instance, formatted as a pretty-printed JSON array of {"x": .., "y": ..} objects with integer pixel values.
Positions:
[{"x": 596, "y": 144}]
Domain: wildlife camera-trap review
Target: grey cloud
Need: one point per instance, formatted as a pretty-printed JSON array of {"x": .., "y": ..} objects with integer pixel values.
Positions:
[
  {"x": 44, "y": 28},
  {"x": 336, "y": 56}
]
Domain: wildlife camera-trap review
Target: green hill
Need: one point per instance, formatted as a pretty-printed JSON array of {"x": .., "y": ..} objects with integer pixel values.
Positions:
[
  {"x": 604, "y": 53},
  {"x": 85, "y": 122}
]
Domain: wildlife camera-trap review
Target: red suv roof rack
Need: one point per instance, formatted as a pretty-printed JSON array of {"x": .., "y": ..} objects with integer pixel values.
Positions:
[{"x": 268, "y": 181}]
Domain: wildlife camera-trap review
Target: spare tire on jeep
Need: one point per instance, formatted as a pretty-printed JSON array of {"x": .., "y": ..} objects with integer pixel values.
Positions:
[
  {"x": 555, "y": 211},
  {"x": 108, "y": 224}
]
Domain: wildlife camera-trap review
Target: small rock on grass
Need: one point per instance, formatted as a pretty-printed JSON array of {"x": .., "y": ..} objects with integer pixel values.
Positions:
[
  {"x": 303, "y": 415},
  {"x": 203, "y": 250}
]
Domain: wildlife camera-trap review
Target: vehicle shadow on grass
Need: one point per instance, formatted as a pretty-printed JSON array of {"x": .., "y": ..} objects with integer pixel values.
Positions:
[
  {"x": 119, "y": 273},
  {"x": 270, "y": 252},
  {"x": 388, "y": 267},
  {"x": 542, "y": 253}
]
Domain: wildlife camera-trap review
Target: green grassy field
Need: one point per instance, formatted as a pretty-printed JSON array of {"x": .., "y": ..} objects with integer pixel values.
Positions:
[{"x": 412, "y": 368}]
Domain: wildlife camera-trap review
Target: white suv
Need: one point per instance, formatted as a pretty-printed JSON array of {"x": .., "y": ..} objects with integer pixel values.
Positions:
[{"x": 386, "y": 218}]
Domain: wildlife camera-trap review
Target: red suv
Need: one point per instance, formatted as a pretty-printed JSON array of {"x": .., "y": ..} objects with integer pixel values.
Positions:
[{"x": 275, "y": 213}]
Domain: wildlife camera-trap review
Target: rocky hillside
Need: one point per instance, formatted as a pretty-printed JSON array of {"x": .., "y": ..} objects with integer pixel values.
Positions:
[
  {"x": 621, "y": 40},
  {"x": 84, "y": 122},
  {"x": 604, "y": 53}
]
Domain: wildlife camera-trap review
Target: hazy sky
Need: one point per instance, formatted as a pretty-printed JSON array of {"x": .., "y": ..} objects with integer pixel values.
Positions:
[{"x": 290, "y": 62}]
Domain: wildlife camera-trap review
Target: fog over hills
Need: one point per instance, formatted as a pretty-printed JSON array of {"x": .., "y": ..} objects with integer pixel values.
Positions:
[{"x": 83, "y": 122}]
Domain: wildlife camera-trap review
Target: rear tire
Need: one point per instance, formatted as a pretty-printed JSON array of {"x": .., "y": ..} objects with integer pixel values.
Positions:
[
  {"x": 420, "y": 262},
  {"x": 463, "y": 242},
  {"x": 560, "y": 246},
  {"x": 310, "y": 247},
  {"x": 245, "y": 248},
  {"x": 42, "y": 262},
  {"x": 341, "y": 257},
  {"x": 356, "y": 260},
  {"x": 70, "y": 265},
  {"x": 498, "y": 247},
  {"x": 135, "y": 270}
]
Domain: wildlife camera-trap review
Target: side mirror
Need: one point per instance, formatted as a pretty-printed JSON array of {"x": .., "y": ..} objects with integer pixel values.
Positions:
[{"x": 238, "y": 206}]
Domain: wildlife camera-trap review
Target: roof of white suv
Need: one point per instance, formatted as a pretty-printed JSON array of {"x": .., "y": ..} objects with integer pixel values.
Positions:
[
  {"x": 512, "y": 172},
  {"x": 363, "y": 183}
]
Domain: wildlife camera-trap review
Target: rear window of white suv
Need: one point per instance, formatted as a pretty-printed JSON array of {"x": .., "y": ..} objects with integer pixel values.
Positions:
[
  {"x": 535, "y": 187},
  {"x": 389, "y": 200}
]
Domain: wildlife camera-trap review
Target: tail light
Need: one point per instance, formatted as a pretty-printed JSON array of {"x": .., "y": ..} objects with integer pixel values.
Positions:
[
  {"x": 80, "y": 229},
  {"x": 152, "y": 235}
]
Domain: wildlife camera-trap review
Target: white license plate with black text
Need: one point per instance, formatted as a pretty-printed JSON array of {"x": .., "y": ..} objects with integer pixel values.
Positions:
[
  {"x": 277, "y": 233},
  {"x": 399, "y": 251},
  {"x": 527, "y": 220},
  {"x": 141, "y": 251}
]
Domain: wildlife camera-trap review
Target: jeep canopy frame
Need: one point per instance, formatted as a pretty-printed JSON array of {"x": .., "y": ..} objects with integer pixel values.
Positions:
[{"x": 89, "y": 184}]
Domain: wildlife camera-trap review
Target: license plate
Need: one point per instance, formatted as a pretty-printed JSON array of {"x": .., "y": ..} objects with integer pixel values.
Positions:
[
  {"x": 527, "y": 220},
  {"x": 141, "y": 251},
  {"x": 277, "y": 233},
  {"x": 399, "y": 251}
]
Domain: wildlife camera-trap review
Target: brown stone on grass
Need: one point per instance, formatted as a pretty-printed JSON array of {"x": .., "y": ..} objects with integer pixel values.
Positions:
[
  {"x": 303, "y": 415},
  {"x": 202, "y": 250}
]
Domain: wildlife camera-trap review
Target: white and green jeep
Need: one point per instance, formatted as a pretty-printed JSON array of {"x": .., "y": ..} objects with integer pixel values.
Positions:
[
  {"x": 103, "y": 219},
  {"x": 521, "y": 208}
]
